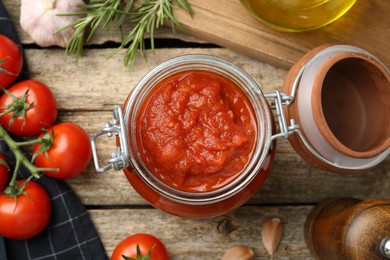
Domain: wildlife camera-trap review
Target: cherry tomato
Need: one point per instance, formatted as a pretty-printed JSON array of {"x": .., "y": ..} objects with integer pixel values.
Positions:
[
  {"x": 4, "y": 172},
  {"x": 70, "y": 151},
  {"x": 128, "y": 247},
  {"x": 26, "y": 216},
  {"x": 41, "y": 110},
  {"x": 11, "y": 61}
]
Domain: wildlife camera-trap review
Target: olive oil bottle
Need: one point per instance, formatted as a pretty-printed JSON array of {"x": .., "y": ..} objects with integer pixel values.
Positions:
[{"x": 297, "y": 15}]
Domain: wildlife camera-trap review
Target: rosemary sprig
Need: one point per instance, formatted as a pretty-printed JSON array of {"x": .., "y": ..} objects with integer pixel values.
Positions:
[{"x": 146, "y": 15}]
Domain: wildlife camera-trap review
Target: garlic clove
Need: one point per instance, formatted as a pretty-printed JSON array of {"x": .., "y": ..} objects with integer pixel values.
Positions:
[
  {"x": 40, "y": 20},
  {"x": 272, "y": 234},
  {"x": 238, "y": 252}
]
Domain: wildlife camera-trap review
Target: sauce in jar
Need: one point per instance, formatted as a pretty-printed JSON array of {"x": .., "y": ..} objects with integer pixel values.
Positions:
[
  {"x": 194, "y": 137},
  {"x": 196, "y": 131}
]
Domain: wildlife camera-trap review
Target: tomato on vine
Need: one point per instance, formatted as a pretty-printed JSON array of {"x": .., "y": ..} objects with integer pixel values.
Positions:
[
  {"x": 25, "y": 212},
  {"x": 67, "y": 150},
  {"x": 4, "y": 172},
  {"x": 27, "y": 107},
  {"x": 11, "y": 61},
  {"x": 140, "y": 246}
]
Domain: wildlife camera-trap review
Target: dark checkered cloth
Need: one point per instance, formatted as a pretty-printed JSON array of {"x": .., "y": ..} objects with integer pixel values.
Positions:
[{"x": 70, "y": 234}]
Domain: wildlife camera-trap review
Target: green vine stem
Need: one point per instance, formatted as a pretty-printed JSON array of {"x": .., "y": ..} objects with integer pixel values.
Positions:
[
  {"x": 4, "y": 70},
  {"x": 21, "y": 158},
  {"x": 19, "y": 107}
]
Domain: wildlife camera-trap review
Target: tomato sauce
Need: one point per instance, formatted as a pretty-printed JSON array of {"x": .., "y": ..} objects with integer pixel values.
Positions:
[{"x": 196, "y": 131}]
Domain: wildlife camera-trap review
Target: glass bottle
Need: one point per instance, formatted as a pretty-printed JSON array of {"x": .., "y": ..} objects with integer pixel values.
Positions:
[{"x": 297, "y": 15}]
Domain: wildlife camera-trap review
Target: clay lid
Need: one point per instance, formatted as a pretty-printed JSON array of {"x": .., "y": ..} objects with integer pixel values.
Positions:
[
  {"x": 366, "y": 231},
  {"x": 350, "y": 102},
  {"x": 332, "y": 137}
]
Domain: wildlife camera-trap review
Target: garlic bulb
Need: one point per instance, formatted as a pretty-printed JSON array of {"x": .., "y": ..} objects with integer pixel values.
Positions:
[{"x": 40, "y": 20}]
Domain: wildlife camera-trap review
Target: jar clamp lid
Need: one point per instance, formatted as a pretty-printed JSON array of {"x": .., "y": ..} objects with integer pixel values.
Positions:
[
  {"x": 124, "y": 128},
  {"x": 119, "y": 158}
]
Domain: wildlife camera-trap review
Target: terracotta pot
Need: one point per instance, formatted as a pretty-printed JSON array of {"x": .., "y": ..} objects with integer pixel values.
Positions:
[{"x": 341, "y": 104}]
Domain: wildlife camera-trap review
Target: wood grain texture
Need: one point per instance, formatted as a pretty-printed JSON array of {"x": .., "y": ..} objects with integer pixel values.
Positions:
[
  {"x": 356, "y": 227},
  {"x": 111, "y": 35},
  {"x": 88, "y": 91},
  {"x": 97, "y": 85},
  {"x": 291, "y": 180},
  {"x": 229, "y": 24},
  {"x": 366, "y": 26},
  {"x": 207, "y": 238}
]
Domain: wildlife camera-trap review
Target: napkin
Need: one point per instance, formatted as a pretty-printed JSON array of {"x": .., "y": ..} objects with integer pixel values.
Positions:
[{"x": 70, "y": 233}]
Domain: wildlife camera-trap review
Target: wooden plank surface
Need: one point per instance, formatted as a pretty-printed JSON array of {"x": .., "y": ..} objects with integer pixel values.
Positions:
[
  {"x": 89, "y": 96},
  {"x": 111, "y": 35},
  {"x": 86, "y": 94},
  {"x": 207, "y": 238},
  {"x": 366, "y": 25}
]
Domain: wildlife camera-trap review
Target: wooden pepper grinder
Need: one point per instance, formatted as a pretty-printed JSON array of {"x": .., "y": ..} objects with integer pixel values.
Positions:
[{"x": 349, "y": 229}]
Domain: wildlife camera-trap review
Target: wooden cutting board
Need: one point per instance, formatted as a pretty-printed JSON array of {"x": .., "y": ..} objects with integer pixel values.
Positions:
[{"x": 228, "y": 24}]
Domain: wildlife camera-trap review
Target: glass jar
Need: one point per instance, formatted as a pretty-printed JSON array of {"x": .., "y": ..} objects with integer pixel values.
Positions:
[
  {"x": 177, "y": 201},
  {"x": 297, "y": 15}
]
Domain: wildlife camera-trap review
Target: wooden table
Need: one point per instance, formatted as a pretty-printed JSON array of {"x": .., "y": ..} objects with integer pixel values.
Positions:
[{"x": 87, "y": 92}]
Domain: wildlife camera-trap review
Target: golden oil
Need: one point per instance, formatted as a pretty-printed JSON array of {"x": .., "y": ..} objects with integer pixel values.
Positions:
[{"x": 297, "y": 15}]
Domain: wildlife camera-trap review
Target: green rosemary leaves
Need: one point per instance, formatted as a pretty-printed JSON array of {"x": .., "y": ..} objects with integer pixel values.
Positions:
[{"x": 145, "y": 15}]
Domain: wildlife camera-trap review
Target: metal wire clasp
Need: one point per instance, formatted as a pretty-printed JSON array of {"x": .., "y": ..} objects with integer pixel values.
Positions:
[
  {"x": 279, "y": 100},
  {"x": 119, "y": 158}
]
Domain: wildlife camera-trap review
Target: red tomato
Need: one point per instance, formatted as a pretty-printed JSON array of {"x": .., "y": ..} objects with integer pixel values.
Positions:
[
  {"x": 70, "y": 151},
  {"x": 28, "y": 215},
  {"x": 146, "y": 242},
  {"x": 11, "y": 61},
  {"x": 4, "y": 172},
  {"x": 41, "y": 113}
]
